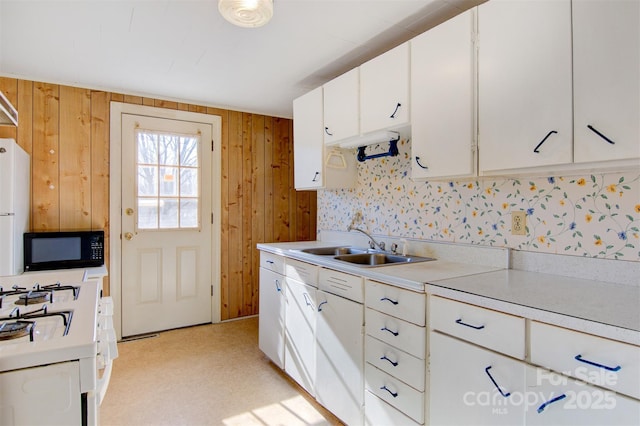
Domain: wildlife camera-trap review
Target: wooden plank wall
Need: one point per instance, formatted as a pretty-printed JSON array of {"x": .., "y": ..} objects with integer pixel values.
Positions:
[{"x": 66, "y": 131}]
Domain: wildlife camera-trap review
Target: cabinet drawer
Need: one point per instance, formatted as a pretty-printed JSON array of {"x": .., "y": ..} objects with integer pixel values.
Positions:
[
  {"x": 607, "y": 363},
  {"x": 392, "y": 360},
  {"x": 388, "y": 388},
  {"x": 341, "y": 284},
  {"x": 401, "y": 334},
  {"x": 379, "y": 413},
  {"x": 302, "y": 271},
  {"x": 272, "y": 262},
  {"x": 494, "y": 330},
  {"x": 404, "y": 304}
]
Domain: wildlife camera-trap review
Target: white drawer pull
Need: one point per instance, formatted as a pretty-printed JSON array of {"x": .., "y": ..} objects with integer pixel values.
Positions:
[
  {"x": 595, "y": 364},
  {"x": 475, "y": 327}
]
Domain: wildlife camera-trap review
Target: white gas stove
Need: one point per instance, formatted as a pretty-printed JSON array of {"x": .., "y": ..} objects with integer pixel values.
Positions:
[{"x": 56, "y": 347}]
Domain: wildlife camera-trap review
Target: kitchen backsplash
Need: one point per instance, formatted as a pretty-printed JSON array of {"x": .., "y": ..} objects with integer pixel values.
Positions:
[{"x": 594, "y": 215}]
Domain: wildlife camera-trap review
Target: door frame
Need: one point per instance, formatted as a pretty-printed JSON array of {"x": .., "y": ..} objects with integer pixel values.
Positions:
[{"x": 115, "y": 199}]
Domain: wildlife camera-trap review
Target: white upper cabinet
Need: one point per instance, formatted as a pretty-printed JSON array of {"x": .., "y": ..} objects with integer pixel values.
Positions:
[
  {"x": 342, "y": 107},
  {"x": 443, "y": 125},
  {"x": 524, "y": 84},
  {"x": 314, "y": 166},
  {"x": 606, "y": 80},
  {"x": 384, "y": 91}
]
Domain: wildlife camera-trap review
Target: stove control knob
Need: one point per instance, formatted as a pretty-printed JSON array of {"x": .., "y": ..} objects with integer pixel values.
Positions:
[{"x": 128, "y": 236}]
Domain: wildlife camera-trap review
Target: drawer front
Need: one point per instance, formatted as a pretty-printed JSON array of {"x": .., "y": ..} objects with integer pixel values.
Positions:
[
  {"x": 272, "y": 262},
  {"x": 341, "y": 284},
  {"x": 379, "y": 413},
  {"x": 603, "y": 362},
  {"x": 302, "y": 271},
  {"x": 494, "y": 330},
  {"x": 393, "y": 391},
  {"x": 400, "y": 303},
  {"x": 392, "y": 360},
  {"x": 401, "y": 334}
]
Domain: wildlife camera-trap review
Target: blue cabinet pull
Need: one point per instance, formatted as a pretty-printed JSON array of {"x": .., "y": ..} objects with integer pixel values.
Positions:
[
  {"x": 595, "y": 364},
  {"x": 277, "y": 283},
  {"x": 556, "y": 399},
  {"x": 542, "y": 141},
  {"x": 393, "y": 394},
  {"x": 395, "y": 110},
  {"x": 475, "y": 327},
  {"x": 395, "y": 302},
  {"x": 395, "y": 333},
  {"x": 320, "y": 306},
  {"x": 419, "y": 164},
  {"x": 326, "y": 130},
  {"x": 315, "y": 177},
  {"x": 384, "y": 357},
  {"x": 307, "y": 299},
  {"x": 594, "y": 130},
  {"x": 486, "y": 370}
]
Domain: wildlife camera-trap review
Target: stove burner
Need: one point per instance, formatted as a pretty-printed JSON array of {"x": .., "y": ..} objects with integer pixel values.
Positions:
[
  {"x": 16, "y": 330},
  {"x": 33, "y": 297}
]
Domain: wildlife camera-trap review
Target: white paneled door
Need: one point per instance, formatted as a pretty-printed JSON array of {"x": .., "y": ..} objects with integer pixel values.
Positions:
[{"x": 166, "y": 224}]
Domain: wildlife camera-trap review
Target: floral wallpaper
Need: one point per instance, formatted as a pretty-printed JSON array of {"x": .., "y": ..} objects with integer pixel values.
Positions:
[{"x": 595, "y": 215}]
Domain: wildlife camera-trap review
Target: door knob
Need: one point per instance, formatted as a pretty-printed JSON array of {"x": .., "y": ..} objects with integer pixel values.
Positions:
[
  {"x": 129, "y": 211},
  {"x": 128, "y": 236}
]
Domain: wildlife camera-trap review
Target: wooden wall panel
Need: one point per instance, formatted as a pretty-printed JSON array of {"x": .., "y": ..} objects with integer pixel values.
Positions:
[{"x": 66, "y": 130}]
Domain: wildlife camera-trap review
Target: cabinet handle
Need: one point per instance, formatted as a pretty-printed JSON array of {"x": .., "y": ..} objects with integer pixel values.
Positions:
[
  {"x": 320, "y": 306},
  {"x": 307, "y": 299},
  {"x": 395, "y": 110},
  {"x": 418, "y": 161},
  {"x": 551, "y": 401},
  {"x": 384, "y": 357},
  {"x": 278, "y": 286},
  {"x": 395, "y": 302},
  {"x": 315, "y": 177},
  {"x": 475, "y": 327},
  {"x": 395, "y": 333},
  {"x": 595, "y": 364},
  {"x": 326, "y": 130},
  {"x": 393, "y": 394},
  {"x": 542, "y": 141},
  {"x": 270, "y": 261},
  {"x": 486, "y": 370},
  {"x": 593, "y": 129}
]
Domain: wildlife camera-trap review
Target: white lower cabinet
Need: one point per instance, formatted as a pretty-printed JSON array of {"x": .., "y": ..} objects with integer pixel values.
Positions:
[
  {"x": 379, "y": 412},
  {"x": 339, "y": 357},
  {"x": 272, "y": 308},
  {"x": 472, "y": 385},
  {"x": 300, "y": 327}
]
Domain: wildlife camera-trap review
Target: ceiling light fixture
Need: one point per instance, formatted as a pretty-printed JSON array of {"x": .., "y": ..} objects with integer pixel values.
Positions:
[{"x": 246, "y": 13}]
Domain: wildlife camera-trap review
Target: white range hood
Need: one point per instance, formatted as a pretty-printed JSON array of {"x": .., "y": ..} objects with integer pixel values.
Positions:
[{"x": 8, "y": 114}]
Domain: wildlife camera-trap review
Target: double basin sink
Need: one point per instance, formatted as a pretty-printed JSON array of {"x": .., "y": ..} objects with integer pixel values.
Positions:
[{"x": 365, "y": 257}]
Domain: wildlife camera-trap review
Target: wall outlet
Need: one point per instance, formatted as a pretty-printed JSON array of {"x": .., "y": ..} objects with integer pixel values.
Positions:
[{"x": 518, "y": 223}]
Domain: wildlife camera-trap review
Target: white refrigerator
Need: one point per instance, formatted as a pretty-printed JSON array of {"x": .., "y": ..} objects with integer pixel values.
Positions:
[{"x": 15, "y": 193}]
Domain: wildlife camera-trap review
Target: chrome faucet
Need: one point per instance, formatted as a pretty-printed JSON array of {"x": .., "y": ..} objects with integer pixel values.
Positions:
[{"x": 372, "y": 243}]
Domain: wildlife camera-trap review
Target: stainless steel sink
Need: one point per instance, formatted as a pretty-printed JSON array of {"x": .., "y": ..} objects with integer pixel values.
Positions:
[
  {"x": 333, "y": 251},
  {"x": 380, "y": 259}
]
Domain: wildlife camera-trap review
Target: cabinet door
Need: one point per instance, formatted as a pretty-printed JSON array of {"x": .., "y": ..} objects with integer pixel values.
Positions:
[
  {"x": 443, "y": 125},
  {"x": 342, "y": 107},
  {"x": 300, "y": 320},
  {"x": 308, "y": 140},
  {"x": 340, "y": 357},
  {"x": 524, "y": 84},
  {"x": 553, "y": 399},
  {"x": 271, "y": 318},
  {"x": 470, "y": 385},
  {"x": 606, "y": 80},
  {"x": 384, "y": 91}
]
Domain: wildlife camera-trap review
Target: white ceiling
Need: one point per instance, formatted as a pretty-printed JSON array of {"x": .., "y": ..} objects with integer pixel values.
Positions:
[{"x": 184, "y": 50}]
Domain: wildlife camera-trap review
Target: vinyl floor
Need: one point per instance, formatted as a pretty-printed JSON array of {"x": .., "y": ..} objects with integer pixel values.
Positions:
[{"x": 211, "y": 374}]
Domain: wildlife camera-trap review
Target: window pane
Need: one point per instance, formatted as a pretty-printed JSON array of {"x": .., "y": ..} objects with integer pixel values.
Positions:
[
  {"x": 168, "y": 181},
  {"x": 189, "y": 213},
  {"x": 189, "y": 151},
  {"x": 168, "y": 213},
  {"x": 147, "y": 180},
  {"x": 147, "y": 213},
  {"x": 189, "y": 182},
  {"x": 169, "y": 150},
  {"x": 147, "y": 148}
]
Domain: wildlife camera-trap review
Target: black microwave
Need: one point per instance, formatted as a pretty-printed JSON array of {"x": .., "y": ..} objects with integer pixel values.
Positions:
[{"x": 63, "y": 250}]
